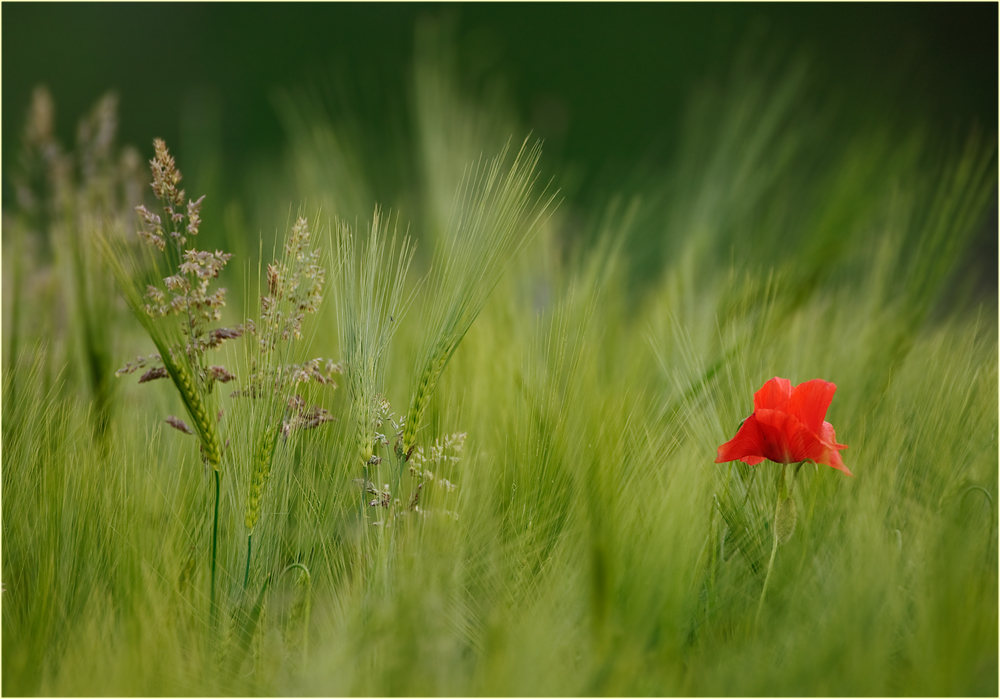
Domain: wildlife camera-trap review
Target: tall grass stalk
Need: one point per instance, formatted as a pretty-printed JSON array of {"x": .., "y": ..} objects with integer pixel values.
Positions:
[
  {"x": 64, "y": 199},
  {"x": 182, "y": 290},
  {"x": 269, "y": 411},
  {"x": 493, "y": 217},
  {"x": 371, "y": 302}
]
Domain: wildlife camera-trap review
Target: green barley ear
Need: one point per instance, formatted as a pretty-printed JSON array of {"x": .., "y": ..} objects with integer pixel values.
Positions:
[
  {"x": 180, "y": 373},
  {"x": 493, "y": 218},
  {"x": 260, "y": 472},
  {"x": 370, "y": 303}
]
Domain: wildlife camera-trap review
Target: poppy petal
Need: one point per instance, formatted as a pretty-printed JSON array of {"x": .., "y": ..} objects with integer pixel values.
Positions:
[
  {"x": 810, "y": 401},
  {"x": 784, "y": 442},
  {"x": 787, "y": 440},
  {"x": 827, "y": 434},
  {"x": 833, "y": 459},
  {"x": 747, "y": 443},
  {"x": 773, "y": 395}
]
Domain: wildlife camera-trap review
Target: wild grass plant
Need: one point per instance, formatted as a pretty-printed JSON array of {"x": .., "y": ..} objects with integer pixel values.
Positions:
[
  {"x": 499, "y": 478},
  {"x": 65, "y": 199}
]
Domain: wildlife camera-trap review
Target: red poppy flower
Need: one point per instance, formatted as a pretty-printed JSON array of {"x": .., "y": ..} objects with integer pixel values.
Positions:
[{"x": 787, "y": 426}]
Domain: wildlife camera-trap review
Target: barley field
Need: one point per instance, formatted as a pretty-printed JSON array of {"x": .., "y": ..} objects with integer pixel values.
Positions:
[{"x": 412, "y": 416}]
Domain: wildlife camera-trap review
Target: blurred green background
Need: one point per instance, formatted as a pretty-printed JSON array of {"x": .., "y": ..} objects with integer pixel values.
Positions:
[
  {"x": 606, "y": 85},
  {"x": 603, "y": 84}
]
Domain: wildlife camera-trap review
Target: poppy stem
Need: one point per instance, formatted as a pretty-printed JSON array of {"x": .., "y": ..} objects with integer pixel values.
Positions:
[
  {"x": 767, "y": 578},
  {"x": 782, "y": 494}
]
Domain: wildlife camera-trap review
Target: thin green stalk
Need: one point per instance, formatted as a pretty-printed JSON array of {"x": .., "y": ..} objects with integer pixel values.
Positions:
[
  {"x": 15, "y": 310},
  {"x": 246, "y": 575},
  {"x": 782, "y": 494},
  {"x": 767, "y": 578},
  {"x": 400, "y": 465},
  {"x": 215, "y": 537},
  {"x": 307, "y": 604}
]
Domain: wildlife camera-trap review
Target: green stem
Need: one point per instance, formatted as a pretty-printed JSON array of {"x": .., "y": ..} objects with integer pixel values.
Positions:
[
  {"x": 767, "y": 578},
  {"x": 306, "y": 610},
  {"x": 300, "y": 566},
  {"x": 782, "y": 493},
  {"x": 215, "y": 538},
  {"x": 246, "y": 575}
]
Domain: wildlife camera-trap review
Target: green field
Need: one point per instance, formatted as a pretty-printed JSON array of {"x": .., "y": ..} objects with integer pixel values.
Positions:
[{"x": 499, "y": 478}]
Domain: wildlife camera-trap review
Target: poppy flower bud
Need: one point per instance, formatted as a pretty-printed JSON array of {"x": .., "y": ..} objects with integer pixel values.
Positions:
[{"x": 784, "y": 520}]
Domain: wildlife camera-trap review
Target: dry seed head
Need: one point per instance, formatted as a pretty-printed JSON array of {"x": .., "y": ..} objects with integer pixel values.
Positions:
[
  {"x": 184, "y": 290},
  {"x": 384, "y": 498},
  {"x": 312, "y": 371},
  {"x": 130, "y": 167},
  {"x": 194, "y": 215},
  {"x": 219, "y": 335},
  {"x": 203, "y": 264},
  {"x": 151, "y": 230},
  {"x": 274, "y": 286},
  {"x": 314, "y": 417},
  {"x": 139, "y": 363},
  {"x": 155, "y": 294},
  {"x": 38, "y": 131},
  {"x": 442, "y": 451},
  {"x": 220, "y": 374},
  {"x": 303, "y": 418},
  {"x": 96, "y": 135},
  {"x": 178, "y": 424},
  {"x": 166, "y": 177},
  {"x": 153, "y": 374},
  {"x": 189, "y": 296},
  {"x": 43, "y": 160},
  {"x": 176, "y": 282},
  {"x": 295, "y": 286}
]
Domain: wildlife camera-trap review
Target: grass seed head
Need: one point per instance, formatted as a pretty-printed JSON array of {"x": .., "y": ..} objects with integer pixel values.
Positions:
[{"x": 493, "y": 218}]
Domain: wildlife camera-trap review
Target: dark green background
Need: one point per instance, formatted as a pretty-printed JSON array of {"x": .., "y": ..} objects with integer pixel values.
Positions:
[{"x": 603, "y": 83}]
